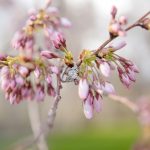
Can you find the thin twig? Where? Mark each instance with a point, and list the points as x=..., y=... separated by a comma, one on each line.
x=130, y=104
x=137, y=23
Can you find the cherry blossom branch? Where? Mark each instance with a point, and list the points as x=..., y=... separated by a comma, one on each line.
x=111, y=38
x=125, y=101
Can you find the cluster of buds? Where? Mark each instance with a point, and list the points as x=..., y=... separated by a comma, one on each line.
x=48, y=20
x=116, y=27
x=19, y=74
x=111, y=60
x=31, y=75
x=94, y=69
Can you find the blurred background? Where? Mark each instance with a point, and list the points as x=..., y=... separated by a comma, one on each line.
x=116, y=126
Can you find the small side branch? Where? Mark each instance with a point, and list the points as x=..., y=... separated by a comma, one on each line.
x=137, y=23
x=125, y=101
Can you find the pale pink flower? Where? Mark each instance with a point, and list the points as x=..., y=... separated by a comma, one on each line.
x=108, y=88
x=49, y=55
x=131, y=75
x=23, y=71
x=54, y=69
x=83, y=88
x=125, y=79
x=88, y=107
x=65, y=22
x=105, y=69
x=123, y=20
x=97, y=103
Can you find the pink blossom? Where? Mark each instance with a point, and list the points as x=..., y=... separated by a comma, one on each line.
x=37, y=72
x=120, y=45
x=49, y=55
x=105, y=69
x=131, y=75
x=97, y=103
x=65, y=22
x=123, y=20
x=113, y=12
x=54, y=69
x=83, y=88
x=108, y=88
x=88, y=107
x=125, y=79
x=23, y=71
x=134, y=68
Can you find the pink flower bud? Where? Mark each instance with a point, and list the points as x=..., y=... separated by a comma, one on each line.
x=23, y=71
x=123, y=20
x=120, y=45
x=65, y=22
x=37, y=72
x=121, y=33
x=19, y=80
x=97, y=103
x=113, y=12
x=105, y=69
x=4, y=84
x=51, y=90
x=12, y=98
x=49, y=79
x=54, y=69
x=88, y=108
x=115, y=28
x=83, y=89
x=134, y=68
x=39, y=93
x=59, y=41
x=49, y=55
x=108, y=88
x=131, y=75
x=53, y=10
x=125, y=79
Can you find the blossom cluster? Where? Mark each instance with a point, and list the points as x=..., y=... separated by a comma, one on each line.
x=31, y=75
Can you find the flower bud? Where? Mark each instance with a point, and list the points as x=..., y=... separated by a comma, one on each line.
x=123, y=20
x=97, y=103
x=49, y=55
x=113, y=12
x=88, y=107
x=23, y=71
x=65, y=22
x=105, y=69
x=54, y=69
x=125, y=80
x=108, y=88
x=83, y=88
